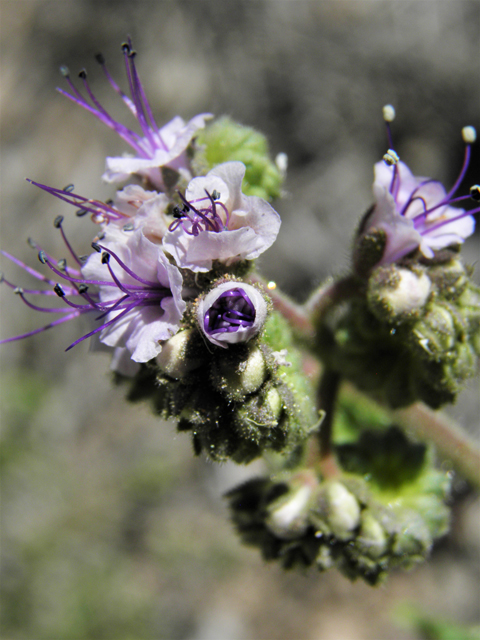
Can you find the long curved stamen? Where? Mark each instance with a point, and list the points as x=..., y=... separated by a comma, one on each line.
x=442, y=223
x=101, y=61
x=21, y=293
x=45, y=260
x=117, y=304
x=201, y=219
x=58, y=225
x=443, y=203
x=200, y=213
x=137, y=97
x=83, y=76
x=124, y=132
x=144, y=111
x=424, y=205
x=149, y=283
x=32, y=292
x=463, y=171
x=85, y=204
x=33, y=272
x=98, y=329
x=106, y=260
x=413, y=195
x=110, y=322
x=55, y=323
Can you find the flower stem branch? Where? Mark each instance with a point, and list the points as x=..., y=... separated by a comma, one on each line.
x=291, y=311
x=449, y=439
x=320, y=453
x=331, y=293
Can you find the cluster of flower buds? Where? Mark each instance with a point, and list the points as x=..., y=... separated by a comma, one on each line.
x=413, y=335
x=363, y=529
x=242, y=398
x=412, y=330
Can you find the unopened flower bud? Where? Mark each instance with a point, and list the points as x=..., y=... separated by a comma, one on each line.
x=372, y=539
x=274, y=402
x=344, y=510
x=435, y=334
x=232, y=312
x=397, y=292
x=336, y=511
x=288, y=515
x=174, y=359
x=450, y=278
x=236, y=380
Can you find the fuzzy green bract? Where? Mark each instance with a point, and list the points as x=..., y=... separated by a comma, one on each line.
x=225, y=140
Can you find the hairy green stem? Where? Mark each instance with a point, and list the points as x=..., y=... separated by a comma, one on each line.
x=327, y=397
x=449, y=439
x=320, y=452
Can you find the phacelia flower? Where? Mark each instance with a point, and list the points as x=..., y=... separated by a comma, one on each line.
x=131, y=287
x=416, y=212
x=155, y=147
x=232, y=312
x=219, y=222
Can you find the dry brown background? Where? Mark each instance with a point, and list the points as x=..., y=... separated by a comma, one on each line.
x=110, y=529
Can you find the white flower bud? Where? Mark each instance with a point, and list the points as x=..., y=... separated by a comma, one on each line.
x=274, y=402
x=411, y=292
x=395, y=292
x=173, y=358
x=372, y=538
x=288, y=517
x=343, y=510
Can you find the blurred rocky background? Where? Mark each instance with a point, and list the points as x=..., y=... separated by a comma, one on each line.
x=110, y=528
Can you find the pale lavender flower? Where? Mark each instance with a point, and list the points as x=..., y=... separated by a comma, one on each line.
x=130, y=286
x=232, y=312
x=155, y=147
x=141, y=293
x=417, y=212
x=219, y=222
